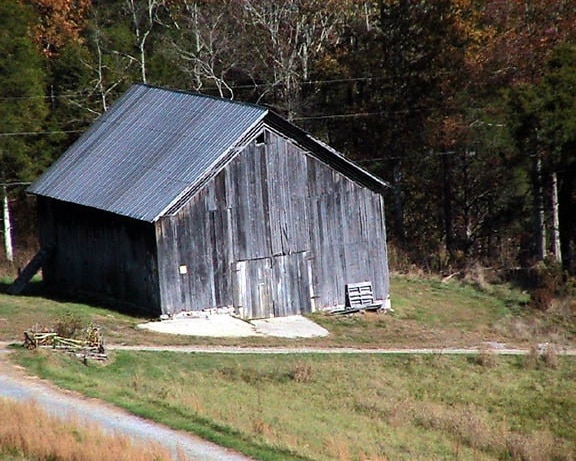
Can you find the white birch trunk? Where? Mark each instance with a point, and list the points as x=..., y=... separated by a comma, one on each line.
x=556, y=251
x=7, y=226
x=539, y=209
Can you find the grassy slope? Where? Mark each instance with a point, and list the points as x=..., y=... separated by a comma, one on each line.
x=350, y=407
x=283, y=407
x=428, y=313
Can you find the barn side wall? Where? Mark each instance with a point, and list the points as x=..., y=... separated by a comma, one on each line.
x=276, y=233
x=100, y=255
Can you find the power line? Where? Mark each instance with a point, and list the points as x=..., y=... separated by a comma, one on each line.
x=240, y=87
x=55, y=96
x=350, y=115
x=311, y=117
x=236, y=87
x=14, y=183
x=33, y=133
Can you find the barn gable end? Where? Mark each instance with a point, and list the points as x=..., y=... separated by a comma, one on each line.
x=277, y=232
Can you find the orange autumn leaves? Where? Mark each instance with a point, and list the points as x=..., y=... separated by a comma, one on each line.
x=59, y=22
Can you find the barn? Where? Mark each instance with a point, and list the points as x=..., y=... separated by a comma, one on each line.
x=175, y=201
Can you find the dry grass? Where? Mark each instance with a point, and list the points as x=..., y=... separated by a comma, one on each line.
x=472, y=426
x=28, y=432
x=350, y=408
x=487, y=358
x=542, y=356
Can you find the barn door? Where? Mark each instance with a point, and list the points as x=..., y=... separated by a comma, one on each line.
x=291, y=290
x=273, y=287
x=252, y=297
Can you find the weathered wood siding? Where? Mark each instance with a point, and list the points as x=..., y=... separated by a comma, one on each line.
x=276, y=233
x=100, y=254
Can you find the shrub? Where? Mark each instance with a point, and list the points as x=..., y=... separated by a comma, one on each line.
x=550, y=357
x=540, y=355
x=541, y=298
x=532, y=358
x=68, y=325
x=548, y=282
x=487, y=358
x=301, y=372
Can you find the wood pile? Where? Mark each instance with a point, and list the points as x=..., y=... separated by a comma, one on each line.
x=90, y=346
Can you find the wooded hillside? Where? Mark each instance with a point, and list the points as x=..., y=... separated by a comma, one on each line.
x=467, y=108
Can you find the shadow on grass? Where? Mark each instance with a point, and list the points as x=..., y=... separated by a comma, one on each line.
x=33, y=288
x=36, y=288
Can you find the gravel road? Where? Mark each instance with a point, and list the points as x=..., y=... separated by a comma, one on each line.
x=16, y=385
x=496, y=348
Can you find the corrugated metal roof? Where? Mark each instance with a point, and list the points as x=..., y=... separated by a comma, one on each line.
x=155, y=148
x=145, y=152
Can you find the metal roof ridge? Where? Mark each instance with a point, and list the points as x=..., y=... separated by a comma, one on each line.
x=203, y=95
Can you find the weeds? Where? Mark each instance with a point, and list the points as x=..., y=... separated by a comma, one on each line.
x=550, y=357
x=68, y=325
x=487, y=358
x=301, y=372
x=28, y=431
x=542, y=356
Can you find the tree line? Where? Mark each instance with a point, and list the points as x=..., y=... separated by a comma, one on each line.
x=466, y=108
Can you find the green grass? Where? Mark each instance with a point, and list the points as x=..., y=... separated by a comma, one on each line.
x=428, y=313
x=352, y=407
x=356, y=407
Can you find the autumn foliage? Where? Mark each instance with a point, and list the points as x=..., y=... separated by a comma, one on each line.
x=60, y=22
x=452, y=102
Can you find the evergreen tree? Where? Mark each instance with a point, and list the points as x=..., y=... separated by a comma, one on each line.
x=22, y=84
x=543, y=122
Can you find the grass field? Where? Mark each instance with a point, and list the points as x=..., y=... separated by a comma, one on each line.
x=349, y=407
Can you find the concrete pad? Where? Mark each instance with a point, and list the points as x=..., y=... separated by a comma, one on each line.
x=212, y=325
x=225, y=325
x=294, y=326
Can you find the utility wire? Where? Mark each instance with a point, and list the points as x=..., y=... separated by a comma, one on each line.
x=33, y=133
x=14, y=183
x=238, y=87
x=350, y=115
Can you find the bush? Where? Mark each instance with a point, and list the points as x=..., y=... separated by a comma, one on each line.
x=550, y=357
x=548, y=282
x=301, y=372
x=542, y=355
x=68, y=325
x=487, y=358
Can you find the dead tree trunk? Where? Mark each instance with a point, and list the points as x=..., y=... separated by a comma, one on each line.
x=7, y=226
x=539, y=216
x=556, y=250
